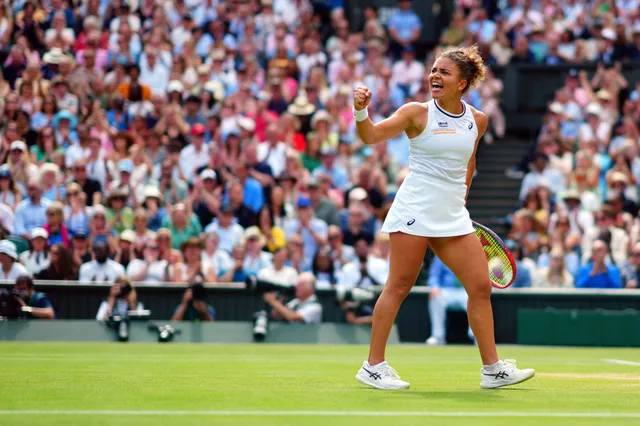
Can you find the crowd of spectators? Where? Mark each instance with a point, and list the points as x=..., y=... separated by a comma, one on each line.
x=174, y=139
x=577, y=222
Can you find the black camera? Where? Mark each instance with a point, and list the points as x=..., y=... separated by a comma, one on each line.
x=166, y=332
x=198, y=291
x=256, y=285
x=120, y=322
x=10, y=307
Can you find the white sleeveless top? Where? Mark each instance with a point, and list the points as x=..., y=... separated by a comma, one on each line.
x=430, y=201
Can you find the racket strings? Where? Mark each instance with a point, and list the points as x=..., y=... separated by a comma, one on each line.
x=500, y=269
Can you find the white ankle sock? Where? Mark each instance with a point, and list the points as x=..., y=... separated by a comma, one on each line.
x=380, y=364
x=491, y=367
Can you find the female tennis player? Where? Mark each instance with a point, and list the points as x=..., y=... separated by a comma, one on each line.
x=429, y=210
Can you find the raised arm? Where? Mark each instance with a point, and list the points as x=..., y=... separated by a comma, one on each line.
x=406, y=117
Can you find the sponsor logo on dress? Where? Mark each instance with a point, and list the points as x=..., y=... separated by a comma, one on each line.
x=470, y=126
x=411, y=222
x=443, y=124
x=444, y=132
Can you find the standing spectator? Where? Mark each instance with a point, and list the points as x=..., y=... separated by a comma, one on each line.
x=404, y=27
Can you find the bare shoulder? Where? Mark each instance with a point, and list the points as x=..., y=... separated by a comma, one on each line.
x=416, y=114
x=481, y=119
x=414, y=109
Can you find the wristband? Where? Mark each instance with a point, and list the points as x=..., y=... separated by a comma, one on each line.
x=361, y=115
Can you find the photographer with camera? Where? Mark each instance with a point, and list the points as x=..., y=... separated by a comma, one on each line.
x=194, y=306
x=23, y=299
x=122, y=299
x=305, y=308
x=362, y=274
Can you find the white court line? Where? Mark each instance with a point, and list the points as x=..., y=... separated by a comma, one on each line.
x=221, y=413
x=622, y=362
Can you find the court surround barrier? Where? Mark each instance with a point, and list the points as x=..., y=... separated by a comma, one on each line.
x=233, y=303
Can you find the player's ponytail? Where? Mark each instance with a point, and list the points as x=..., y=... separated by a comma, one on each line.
x=470, y=63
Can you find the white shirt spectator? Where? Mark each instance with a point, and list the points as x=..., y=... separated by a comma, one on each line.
x=35, y=262
x=74, y=153
x=132, y=20
x=275, y=157
x=286, y=276
x=96, y=272
x=156, y=271
x=553, y=177
x=310, y=309
x=191, y=159
x=406, y=74
x=220, y=260
x=157, y=78
x=16, y=270
x=229, y=237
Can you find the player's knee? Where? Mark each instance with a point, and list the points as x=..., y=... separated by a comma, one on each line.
x=398, y=290
x=480, y=290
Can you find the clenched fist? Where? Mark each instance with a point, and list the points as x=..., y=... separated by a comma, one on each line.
x=361, y=98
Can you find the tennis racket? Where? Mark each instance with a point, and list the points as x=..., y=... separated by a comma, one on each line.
x=502, y=265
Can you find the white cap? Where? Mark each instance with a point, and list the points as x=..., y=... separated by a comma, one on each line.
x=594, y=108
x=208, y=174
x=8, y=248
x=556, y=108
x=609, y=34
x=358, y=194
x=175, y=86
x=128, y=235
x=18, y=145
x=39, y=232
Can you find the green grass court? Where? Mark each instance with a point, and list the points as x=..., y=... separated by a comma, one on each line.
x=182, y=384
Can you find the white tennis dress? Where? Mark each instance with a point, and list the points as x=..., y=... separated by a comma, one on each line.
x=431, y=200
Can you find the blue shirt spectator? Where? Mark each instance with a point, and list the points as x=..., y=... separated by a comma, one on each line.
x=312, y=230
x=404, y=23
x=440, y=276
x=31, y=212
x=338, y=174
x=608, y=277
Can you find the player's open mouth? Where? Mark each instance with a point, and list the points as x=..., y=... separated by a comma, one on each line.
x=436, y=87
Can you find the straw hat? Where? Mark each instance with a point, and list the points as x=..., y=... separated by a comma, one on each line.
x=191, y=242
x=53, y=56
x=253, y=232
x=319, y=116
x=301, y=106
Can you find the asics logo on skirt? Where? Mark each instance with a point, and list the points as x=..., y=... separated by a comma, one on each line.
x=411, y=222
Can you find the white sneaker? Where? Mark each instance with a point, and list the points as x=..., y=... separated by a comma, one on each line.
x=434, y=341
x=380, y=376
x=504, y=374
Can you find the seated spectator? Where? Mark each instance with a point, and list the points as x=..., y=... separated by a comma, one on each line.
x=125, y=252
x=618, y=238
x=357, y=225
x=118, y=214
x=193, y=266
x=229, y=231
x=142, y=232
x=194, y=306
x=34, y=303
x=218, y=258
x=323, y=207
x=31, y=212
x=631, y=271
x=556, y=274
x=37, y=257
x=525, y=266
x=101, y=268
x=55, y=227
x=76, y=213
x=63, y=266
x=324, y=270
x=596, y=273
x=341, y=254
x=446, y=292
x=312, y=230
x=80, y=248
x=100, y=229
x=150, y=269
x=274, y=235
x=182, y=224
x=255, y=258
x=9, y=193
x=10, y=268
x=277, y=271
x=305, y=308
x=122, y=299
